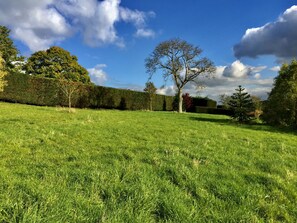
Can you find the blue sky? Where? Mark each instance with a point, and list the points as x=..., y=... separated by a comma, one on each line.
x=246, y=40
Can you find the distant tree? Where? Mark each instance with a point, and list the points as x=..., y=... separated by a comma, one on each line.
x=181, y=61
x=150, y=89
x=281, y=105
x=241, y=103
x=224, y=100
x=187, y=102
x=257, y=105
x=70, y=89
x=8, y=50
x=3, y=73
x=56, y=63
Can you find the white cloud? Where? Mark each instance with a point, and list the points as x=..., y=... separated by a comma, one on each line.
x=39, y=24
x=277, y=38
x=34, y=23
x=275, y=69
x=97, y=74
x=239, y=70
x=147, y=33
x=225, y=80
x=138, y=18
x=167, y=90
x=257, y=76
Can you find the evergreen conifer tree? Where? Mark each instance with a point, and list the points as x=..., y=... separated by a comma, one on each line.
x=241, y=103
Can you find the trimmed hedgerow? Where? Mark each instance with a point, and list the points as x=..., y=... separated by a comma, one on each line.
x=216, y=111
x=27, y=89
x=204, y=102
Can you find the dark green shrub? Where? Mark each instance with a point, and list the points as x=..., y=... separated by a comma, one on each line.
x=214, y=111
x=204, y=102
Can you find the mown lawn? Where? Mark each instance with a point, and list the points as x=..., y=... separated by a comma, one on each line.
x=137, y=166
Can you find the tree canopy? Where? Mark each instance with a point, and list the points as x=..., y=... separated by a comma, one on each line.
x=3, y=73
x=179, y=60
x=7, y=49
x=281, y=105
x=56, y=63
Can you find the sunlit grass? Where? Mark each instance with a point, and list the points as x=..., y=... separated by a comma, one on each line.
x=130, y=166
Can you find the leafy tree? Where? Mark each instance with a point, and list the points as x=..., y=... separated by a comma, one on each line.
x=224, y=100
x=59, y=64
x=241, y=103
x=181, y=61
x=257, y=104
x=3, y=73
x=151, y=91
x=281, y=105
x=187, y=102
x=8, y=50
x=56, y=63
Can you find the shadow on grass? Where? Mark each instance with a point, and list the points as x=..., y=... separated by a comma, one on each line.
x=253, y=126
x=215, y=120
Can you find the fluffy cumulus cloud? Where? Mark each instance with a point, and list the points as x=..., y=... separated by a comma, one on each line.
x=239, y=70
x=167, y=90
x=33, y=22
x=39, y=24
x=277, y=38
x=97, y=74
x=226, y=79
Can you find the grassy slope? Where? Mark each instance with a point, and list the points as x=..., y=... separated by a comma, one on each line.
x=122, y=166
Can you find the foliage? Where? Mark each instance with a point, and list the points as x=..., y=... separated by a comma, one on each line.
x=241, y=104
x=187, y=102
x=211, y=110
x=3, y=73
x=29, y=89
x=257, y=104
x=181, y=61
x=175, y=102
x=224, y=100
x=150, y=89
x=56, y=63
x=8, y=50
x=114, y=166
x=281, y=106
x=205, y=102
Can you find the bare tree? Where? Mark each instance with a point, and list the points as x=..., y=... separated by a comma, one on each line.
x=181, y=61
x=70, y=89
x=151, y=91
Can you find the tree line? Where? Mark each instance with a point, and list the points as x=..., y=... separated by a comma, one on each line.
x=175, y=58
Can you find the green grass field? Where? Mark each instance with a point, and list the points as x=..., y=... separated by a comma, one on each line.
x=137, y=166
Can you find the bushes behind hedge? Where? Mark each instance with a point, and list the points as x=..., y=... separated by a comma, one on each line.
x=27, y=89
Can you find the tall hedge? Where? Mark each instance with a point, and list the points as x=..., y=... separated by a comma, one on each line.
x=27, y=89
x=204, y=102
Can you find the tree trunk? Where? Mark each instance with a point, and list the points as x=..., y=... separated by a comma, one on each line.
x=69, y=102
x=151, y=104
x=180, y=101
